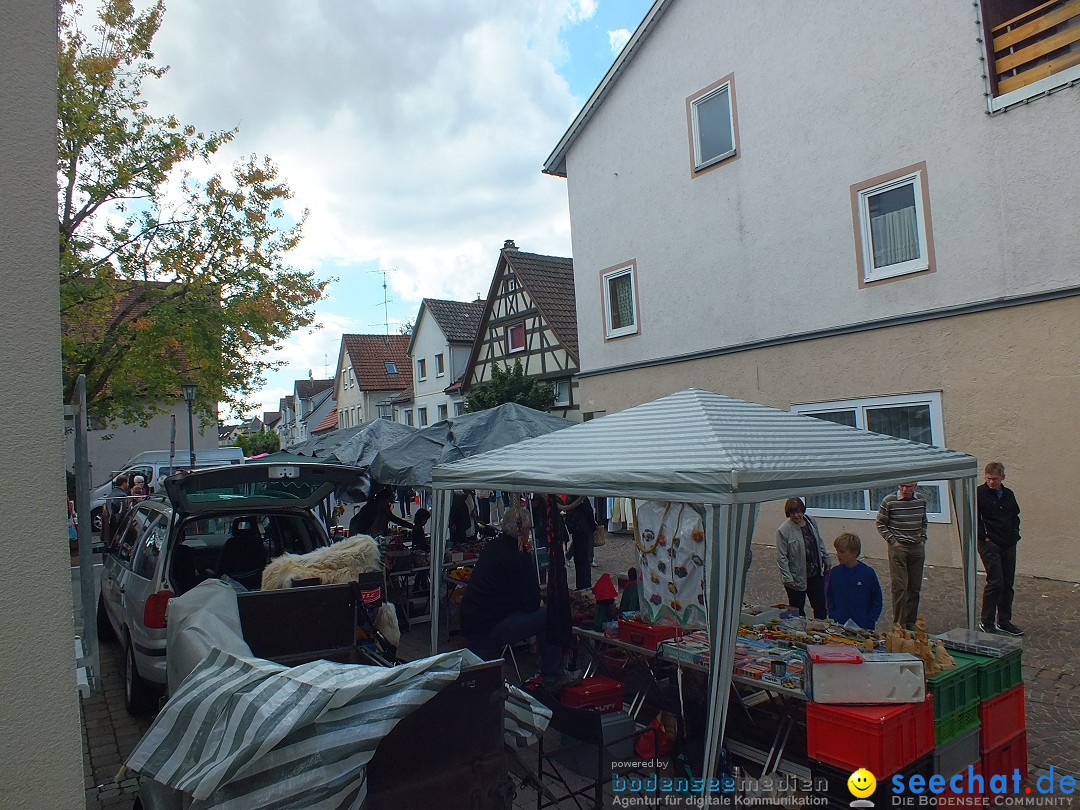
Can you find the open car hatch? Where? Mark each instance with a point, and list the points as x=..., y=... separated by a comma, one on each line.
x=245, y=487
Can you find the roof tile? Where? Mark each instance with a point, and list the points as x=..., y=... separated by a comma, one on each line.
x=369, y=354
x=549, y=280
x=459, y=320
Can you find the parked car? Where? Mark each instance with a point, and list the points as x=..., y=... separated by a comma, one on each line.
x=154, y=466
x=221, y=522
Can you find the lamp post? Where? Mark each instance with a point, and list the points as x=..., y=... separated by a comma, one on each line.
x=190, y=389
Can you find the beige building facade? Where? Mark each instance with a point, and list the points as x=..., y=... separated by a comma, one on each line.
x=1024, y=415
x=40, y=747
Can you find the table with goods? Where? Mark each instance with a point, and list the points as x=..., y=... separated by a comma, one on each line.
x=815, y=701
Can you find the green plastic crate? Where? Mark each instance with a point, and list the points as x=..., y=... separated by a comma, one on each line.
x=956, y=723
x=996, y=675
x=955, y=688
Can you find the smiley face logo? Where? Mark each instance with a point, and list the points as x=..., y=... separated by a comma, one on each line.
x=861, y=783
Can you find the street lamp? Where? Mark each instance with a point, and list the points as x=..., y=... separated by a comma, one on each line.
x=190, y=389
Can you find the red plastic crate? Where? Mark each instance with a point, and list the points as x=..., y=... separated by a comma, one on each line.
x=1007, y=758
x=597, y=693
x=881, y=738
x=644, y=635
x=1001, y=718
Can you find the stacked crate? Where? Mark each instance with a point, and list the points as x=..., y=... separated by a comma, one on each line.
x=884, y=738
x=1002, y=722
x=956, y=717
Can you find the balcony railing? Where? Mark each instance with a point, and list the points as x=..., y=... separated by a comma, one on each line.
x=1039, y=43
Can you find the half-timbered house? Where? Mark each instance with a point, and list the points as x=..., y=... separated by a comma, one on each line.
x=530, y=315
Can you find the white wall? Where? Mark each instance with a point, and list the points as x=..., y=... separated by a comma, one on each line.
x=428, y=341
x=40, y=748
x=763, y=246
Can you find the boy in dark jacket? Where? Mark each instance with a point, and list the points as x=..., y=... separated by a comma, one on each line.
x=998, y=533
x=853, y=592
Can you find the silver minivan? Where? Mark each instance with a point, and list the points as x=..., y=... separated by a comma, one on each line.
x=225, y=522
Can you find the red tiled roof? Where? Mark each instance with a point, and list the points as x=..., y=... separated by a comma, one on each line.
x=329, y=422
x=369, y=355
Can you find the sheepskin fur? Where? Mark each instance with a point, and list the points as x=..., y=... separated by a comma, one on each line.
x=386, y=623
x=338, y=564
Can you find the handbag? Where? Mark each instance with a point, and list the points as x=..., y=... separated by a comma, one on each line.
x=599, y=536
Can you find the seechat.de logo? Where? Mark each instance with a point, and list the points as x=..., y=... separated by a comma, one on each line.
x=862, y=783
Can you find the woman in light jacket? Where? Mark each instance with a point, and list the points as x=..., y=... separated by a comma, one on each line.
x=802, y=559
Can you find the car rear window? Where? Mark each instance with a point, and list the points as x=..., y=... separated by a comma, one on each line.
x=283, y=491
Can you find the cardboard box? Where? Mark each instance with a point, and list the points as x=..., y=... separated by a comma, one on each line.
x=880, y=678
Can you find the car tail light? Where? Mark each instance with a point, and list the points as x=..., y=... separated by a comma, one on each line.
x=155, y=612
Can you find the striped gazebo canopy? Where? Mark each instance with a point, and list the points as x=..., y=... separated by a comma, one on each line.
x=702, y=447
x=728, y=455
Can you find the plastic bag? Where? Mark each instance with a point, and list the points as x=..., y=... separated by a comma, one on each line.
x=665, y=730
x=599, y=536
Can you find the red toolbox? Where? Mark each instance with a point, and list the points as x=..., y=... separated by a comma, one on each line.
x=1001, y=718
x=644, y=635
x=1008, y=758
x=597, y=693
x=883, y=738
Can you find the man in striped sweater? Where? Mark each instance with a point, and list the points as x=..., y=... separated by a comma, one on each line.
x=901, y=520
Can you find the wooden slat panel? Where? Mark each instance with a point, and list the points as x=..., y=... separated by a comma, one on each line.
x=1030, y=12
x=1039, y=49
x=1047, y=21
x=1010, y=83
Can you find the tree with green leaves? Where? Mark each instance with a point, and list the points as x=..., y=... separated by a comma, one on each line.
x=510, y=385
x=163, y=277
x=265, y=441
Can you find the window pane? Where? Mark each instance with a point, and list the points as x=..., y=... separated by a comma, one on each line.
x=903, y=421
x=621, y=296
x=931, y=493
x=714, y=125
x=849, y=499
x=894, y=227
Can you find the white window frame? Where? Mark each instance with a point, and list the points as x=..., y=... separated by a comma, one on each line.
x=421, y=369
x=421, y=417
x=440, y=365
x=510, y=348
x=408, y=416
x=860, y=406
x=459, y=408
x=699, y=162
x=390, y=366
x=917, y=265
x=444, y=411
x=564, y=386
x=605, y=278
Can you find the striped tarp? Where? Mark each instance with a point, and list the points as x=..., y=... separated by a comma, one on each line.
x=698, y=446
x=246, y=732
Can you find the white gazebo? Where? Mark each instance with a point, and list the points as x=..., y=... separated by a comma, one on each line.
x=728, y=456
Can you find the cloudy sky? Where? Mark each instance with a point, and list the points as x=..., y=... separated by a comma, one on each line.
x=412, y=130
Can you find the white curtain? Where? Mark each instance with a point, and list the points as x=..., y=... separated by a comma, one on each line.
x=895, y=237
x=440, y=513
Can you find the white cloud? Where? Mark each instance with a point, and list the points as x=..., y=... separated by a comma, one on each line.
x=413, y=132
x=618, y=38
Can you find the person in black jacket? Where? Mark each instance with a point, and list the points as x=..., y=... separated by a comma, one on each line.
x=998, y=534
x=581, y=524
x=502, y=606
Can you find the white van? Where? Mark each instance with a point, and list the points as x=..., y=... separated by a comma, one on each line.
x=154, y=466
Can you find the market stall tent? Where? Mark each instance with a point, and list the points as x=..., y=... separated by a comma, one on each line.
x=725, y=454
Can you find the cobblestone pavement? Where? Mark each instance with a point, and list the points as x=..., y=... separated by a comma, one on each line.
x=1044, y=608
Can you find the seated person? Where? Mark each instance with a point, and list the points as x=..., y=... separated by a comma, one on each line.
x=853, y=591
x=502, y=605
x=376, y=515
x=418, y=536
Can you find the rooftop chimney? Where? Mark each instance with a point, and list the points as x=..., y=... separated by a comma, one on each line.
x=509, y=245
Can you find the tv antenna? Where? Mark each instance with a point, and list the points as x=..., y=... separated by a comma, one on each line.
x=385, y=303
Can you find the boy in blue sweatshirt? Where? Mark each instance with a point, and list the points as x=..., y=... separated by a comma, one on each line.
x=853, y=591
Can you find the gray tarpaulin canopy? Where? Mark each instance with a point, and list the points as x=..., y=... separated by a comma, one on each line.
x=409, y=462
x=360, y=449
x=725, y=454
